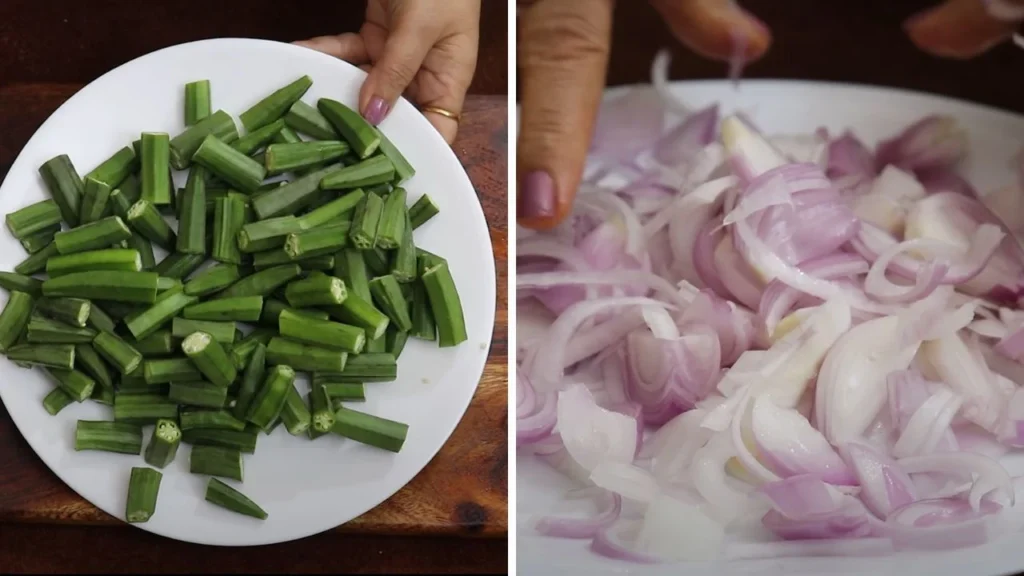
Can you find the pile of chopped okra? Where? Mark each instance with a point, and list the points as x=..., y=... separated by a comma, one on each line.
x=322, y=265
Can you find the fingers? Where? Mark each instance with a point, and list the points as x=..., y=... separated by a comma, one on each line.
x=349, y=47
x=563, y=53
x=404, y=50
x=710, y=27
x=963, y=28
x=447, y=127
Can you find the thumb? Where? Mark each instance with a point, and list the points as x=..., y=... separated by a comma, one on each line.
x=563, y=52
x=404, y=50
x=964, y=28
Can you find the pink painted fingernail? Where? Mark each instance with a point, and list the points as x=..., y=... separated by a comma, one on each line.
x=376, y=110
x=537, y=196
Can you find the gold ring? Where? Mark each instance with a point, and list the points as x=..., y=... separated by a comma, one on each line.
x=442, y=112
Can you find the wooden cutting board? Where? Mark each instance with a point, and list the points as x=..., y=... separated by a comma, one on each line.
x=463, y=490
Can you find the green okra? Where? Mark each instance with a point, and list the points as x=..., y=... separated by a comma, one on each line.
x=363, y=231
x=121, y=437
x=445, y=305
x=39, y=240
x=65, y=186
x=295, y=414
x=281, y=158
x=403, y=260
x=212, y=280
x=216, y=461
x=210, y=419
x=179, y=264
x=292, y=197
x=258, y=138
x=89, y=361
x=191, y=237
x=370, y=429
x=197, y=101
x=267, y=234
x=375, y=170
x=395, y=342
x=388, y=296
x=252, y=378
x=198, y=393
x=167, y=370
x=316, y=291
x=227, y=497
x=359, y=312
x=116, y=169
x=210, y=358
x=224, y=332
x=300, y=356
x=61, y=356
x=77, y=384
x=143, y=489
x=14, y=282
x=33, y=218
x=308, y=120
x=43, y=330
x=322, y=240
x=423, y=326
x=163, y=443
x=343, y=391
x=332, y=211
x=243, y=441
x=56, y=401
x=230, y=165
x=148, y=321
x=240, y=309
x=403, y=170
x=321, y=414
x=228, y=220
x=14, y=319
x=118, y=352
x=144, y=408
x=95, y=196
x=275, y=105
x=262, y=283
x=118, y=259
x=184, y=145
x=155, y=168
x=92, y=236
x=36, y=261
x=120, y=286
x=286, y=135
x=146, y=220
x=422, y=210
x=323, y=333
x=363, y=137
x=362, y=368
x=266, y=406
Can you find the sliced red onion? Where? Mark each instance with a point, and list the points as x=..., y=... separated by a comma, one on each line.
x=790, y=446
x=751, y=155
x=991, y=477
x=944, y=179
x=848, y=156
x=908, y=393
x=734, y=325
x=678, y=530
x=933, y=141
x=948, y=524
x=884, y=485
x=607, y=505
x=852, y=381
x=539, y=422
x=968, y=376
x=848, y=521
x=592, y=434
x=704, y=257
x=802, y=496
x=605, y=544
x=628, y=124
x=668, y=376
x=681, y=143
x=929, y=277
x=737, y=277
x=1012, y=345
x=779, y=298
x=625, y=480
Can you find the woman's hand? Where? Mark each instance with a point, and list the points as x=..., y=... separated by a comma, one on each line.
x=563, y=48
x=425, y=49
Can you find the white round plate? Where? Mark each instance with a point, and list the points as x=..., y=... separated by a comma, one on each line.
x=784, y=107
x=305, y=487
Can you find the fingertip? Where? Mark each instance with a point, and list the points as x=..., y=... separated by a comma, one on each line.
x=958, y=29
x=538, y=205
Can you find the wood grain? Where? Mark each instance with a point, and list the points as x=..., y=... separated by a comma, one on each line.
x=463, y=491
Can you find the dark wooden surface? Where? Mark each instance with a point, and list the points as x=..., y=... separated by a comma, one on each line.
x=71, y=41
x=859, y=41
x=462, y=492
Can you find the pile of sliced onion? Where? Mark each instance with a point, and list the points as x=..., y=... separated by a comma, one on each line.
x=795, y=334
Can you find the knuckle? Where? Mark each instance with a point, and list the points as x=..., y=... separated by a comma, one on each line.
x=563, y=38
x=398, y=74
